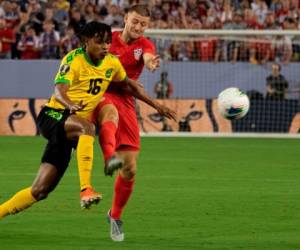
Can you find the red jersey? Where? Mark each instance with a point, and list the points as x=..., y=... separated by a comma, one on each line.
x=206, y=49
x=8, y=34
x=131, y=57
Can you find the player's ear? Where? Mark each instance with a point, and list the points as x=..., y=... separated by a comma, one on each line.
x=85, y=43
x=125, y=18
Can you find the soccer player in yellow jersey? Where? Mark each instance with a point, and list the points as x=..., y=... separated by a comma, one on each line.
x=86, y=77
x=83, y=77
x=81, y=81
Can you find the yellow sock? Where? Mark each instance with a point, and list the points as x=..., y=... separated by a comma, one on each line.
x=20, y=201
x=85, y=154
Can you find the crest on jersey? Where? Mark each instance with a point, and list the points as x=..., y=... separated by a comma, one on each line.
x=108, y=73
x=64, y=69
x=137, y=53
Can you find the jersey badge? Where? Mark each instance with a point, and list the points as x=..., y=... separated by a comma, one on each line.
x=108, y=73
x=137, y=53
x=64, y=69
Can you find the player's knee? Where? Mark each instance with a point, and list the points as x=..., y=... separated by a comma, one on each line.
x=108, y=113
x=129, y=171
x=88, y=128
x=113, y=117
x=40, y=192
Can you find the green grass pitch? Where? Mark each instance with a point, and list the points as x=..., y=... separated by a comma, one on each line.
x=191, y=193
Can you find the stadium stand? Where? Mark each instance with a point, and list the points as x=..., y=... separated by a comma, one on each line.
x=55, y=21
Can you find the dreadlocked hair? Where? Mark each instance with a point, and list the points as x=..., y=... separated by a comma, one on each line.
x=94, y=29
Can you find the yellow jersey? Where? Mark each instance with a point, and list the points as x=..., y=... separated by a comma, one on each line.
x=87, y=81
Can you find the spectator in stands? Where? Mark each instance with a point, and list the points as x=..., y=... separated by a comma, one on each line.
x=29, y=44
x=63, y=5
x=182, y=51
x=227, y=12
x=157, y=22
x=11, y=12
x=233, y=47
x=49, y=41
x=68, y=42
x=177, y=14
x=260, y=9
x=89, y=12
x=7, y=38
x=283, y=49
x=282, y=9
x=260, y=50
x=49, y=15
x=270, y=21
x=121, y=3
x=35, y=15
x=2, y=13
x=191, y=7
x=276, y=84
x=291, y=24
x=114, y=17
x=77, y=21
x=163, y=89
x=61, y=15
x=19, y=30
x=23, y=21
x=206, y=48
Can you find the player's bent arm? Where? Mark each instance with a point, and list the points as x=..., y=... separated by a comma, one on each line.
x=60, y=93
x=134, y=87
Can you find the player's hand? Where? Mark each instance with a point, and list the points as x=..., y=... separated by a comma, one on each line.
x=76, y=107
x=154, y=63
x=165, y=111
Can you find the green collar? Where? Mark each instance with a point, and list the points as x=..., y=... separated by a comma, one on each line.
x=88, y=59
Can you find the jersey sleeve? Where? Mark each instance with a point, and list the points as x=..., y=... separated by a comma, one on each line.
x=148, y=46
x=120, y=73
x=66, y=72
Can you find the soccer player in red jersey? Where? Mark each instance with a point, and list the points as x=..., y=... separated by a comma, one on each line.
x=119, y=131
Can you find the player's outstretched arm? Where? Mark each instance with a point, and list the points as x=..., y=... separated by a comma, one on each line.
x=60, y=93
x=136, y=89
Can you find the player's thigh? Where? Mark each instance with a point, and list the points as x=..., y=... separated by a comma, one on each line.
x=108, y=112
x=51, y=123
x=127, y=136
x=75, y=126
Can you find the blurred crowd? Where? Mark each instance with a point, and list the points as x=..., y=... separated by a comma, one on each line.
x=33, y=29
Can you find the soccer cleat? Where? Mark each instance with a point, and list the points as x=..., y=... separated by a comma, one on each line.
x=116, y=232
x=112, y=164
x=89, y=197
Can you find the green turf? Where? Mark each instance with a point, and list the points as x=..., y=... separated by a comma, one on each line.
x=191, y=193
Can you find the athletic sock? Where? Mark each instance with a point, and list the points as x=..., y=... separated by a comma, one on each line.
x=20, y=201
x=107, y=139
x=123, y=190
x=85, y=153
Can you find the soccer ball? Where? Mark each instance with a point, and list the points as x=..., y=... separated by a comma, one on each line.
x=233, y=104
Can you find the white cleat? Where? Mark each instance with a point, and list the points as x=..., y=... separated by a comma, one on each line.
x=114, y=163
x=116, y=232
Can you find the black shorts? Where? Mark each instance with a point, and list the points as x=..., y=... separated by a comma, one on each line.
x=59, y=149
